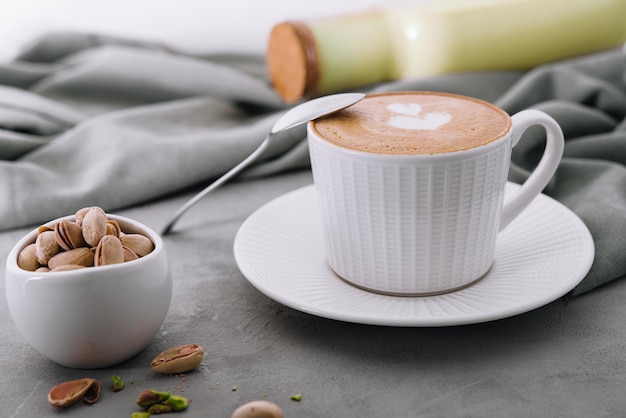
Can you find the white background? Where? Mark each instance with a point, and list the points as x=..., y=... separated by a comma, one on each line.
x=189, y=25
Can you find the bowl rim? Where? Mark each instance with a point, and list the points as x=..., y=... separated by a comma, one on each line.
x=136, y=226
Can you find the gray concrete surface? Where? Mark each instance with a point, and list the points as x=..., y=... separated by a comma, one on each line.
x=566, y=359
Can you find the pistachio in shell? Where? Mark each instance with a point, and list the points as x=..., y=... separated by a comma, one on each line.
x=46, y=247
x=94, y=225
x=258, y=409
x=79, y=256
x=137, y=243
x=179, y=359
x=129, y=255
x=69, y=235
x=113, y=228
x=27, y=258
x=109, y=251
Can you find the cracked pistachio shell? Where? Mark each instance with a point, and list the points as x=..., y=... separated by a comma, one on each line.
x=113, y=228
x=68, y=393
x=129, y=255
x=258, y=409
x=80, y=256
x=179, y=359
x=137, y=243
x=94, y=224
x=69, y=235
x=27, y=258
x=109, y=251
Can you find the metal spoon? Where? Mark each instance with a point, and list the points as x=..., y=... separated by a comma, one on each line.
x=298, y=115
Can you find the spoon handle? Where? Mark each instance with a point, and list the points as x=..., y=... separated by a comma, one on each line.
x=217, y=183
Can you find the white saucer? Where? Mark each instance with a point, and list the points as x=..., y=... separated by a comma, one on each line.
x=540, y=257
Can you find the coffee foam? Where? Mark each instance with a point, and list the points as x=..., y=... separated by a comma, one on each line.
x=414, y=123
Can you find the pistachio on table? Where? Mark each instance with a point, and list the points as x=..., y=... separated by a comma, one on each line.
x=179, y=359
x=90, y=240
x=157, y=402
x=258, y=409
x=177, y=403
x=68, y=393
x=150, y=397
x=118, y=383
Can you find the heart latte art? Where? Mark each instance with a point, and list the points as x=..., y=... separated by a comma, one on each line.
x=414, y=123
x=412, y=117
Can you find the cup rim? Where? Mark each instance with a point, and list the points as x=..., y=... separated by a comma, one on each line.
x=29, y=237
x=442, y=156
x=408, y=158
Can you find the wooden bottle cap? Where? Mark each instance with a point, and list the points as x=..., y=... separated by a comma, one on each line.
x=292, y=61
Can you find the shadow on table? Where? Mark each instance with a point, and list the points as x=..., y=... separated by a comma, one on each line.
x=405, y=345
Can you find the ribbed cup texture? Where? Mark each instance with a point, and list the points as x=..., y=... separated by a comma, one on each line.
x=410, y=225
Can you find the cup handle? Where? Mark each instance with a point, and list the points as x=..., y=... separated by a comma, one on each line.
x=546, y=167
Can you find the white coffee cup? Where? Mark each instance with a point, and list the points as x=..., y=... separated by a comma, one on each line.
x=422, y=219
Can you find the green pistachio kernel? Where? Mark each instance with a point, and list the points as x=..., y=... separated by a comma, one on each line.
x=118, y=383
x=177, y=403
x=159, y=408
x=150, y=397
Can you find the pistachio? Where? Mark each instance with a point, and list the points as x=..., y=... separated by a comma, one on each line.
x=113, y=228
x=159, y=408
x=129, y=255
x=68, y=393
x=108, y=251
x=258, y=409
x=144, y=414
x=46, y=246
x=177, y=403
x=80, y=215
x=27, y=258
x=118, y=383
x=44, y=228
x=151, y=397
x=67, y=245
x=179, y=359
x=94, y=224
x=137, y=243
x=69, y=235
x=80, y=256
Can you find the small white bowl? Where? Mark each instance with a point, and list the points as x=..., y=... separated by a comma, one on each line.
x=94, y=317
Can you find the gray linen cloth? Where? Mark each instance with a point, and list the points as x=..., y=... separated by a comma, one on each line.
x=96, y=120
